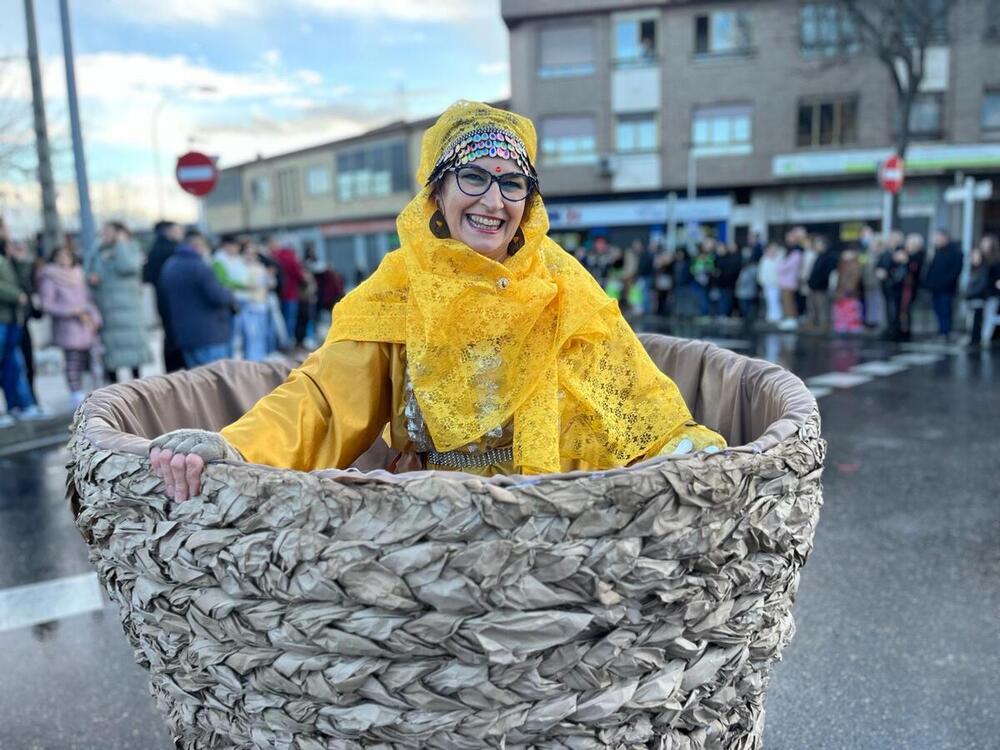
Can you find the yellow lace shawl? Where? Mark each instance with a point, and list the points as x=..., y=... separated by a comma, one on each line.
x=534, y=338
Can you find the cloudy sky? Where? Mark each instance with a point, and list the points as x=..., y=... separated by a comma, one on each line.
x=233, y=78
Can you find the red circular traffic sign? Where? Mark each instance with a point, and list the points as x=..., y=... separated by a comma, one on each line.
x=196, y=173
x=890, y=174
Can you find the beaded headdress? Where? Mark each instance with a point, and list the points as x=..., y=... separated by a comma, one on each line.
x=485, y=141
x=475, y=130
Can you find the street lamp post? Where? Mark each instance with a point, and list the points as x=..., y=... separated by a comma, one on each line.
x=692, y=188
x=156, y=158
x=157, y=175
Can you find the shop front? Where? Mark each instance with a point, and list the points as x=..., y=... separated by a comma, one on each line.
x=355, y=248
x=650, y=220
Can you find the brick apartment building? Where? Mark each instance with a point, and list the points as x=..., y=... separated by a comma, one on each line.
x=771, y=106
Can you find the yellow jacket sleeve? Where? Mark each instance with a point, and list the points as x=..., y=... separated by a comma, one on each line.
x=327, y=413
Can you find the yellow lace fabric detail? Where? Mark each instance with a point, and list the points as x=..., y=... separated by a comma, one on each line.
x=534, y=339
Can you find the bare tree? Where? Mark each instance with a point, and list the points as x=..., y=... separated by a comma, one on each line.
x=899, y=33
x=17, y=140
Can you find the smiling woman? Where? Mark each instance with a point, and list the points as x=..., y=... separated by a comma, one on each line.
x=635, y=607
x=479, y=345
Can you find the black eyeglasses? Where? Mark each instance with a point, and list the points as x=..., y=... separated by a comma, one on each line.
x=472, y=180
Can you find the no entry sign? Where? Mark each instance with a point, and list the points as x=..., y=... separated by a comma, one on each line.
x=196, y=173
x=890, y=174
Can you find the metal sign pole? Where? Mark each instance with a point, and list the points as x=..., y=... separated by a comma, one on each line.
x=968, y=213
x=672, y=221
x=87, y=243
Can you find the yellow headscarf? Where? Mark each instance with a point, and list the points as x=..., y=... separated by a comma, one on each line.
x=534, y=338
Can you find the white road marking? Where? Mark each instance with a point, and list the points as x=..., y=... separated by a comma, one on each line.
x=915, y=358
x=880, y=369
x=23, y=606
x=819, y=391
x=838, y=380
x=930, y=346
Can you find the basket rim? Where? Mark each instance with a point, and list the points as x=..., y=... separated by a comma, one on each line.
x=94, y=424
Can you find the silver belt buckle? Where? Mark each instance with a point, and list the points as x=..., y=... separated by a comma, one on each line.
x=465, y=459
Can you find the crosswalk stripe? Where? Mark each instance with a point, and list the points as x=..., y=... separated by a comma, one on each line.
x=34, y=603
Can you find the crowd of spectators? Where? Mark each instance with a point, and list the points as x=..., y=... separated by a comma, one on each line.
x=243, y=297
x=251, y=297
x=806, y=281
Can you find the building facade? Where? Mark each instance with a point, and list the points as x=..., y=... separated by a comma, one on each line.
x=340, y=197
x=670, y=118
x=769, y=113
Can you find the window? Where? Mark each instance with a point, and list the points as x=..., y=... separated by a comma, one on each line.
x=722, y=129
x=318, y=180
x=926, y=116
x=990, y=116
x=826, y=29
x=830, y=122
x=570, y=139
x=723, y=32
x=289, y=192
x=926, y=21
x=260, y=190
x=566, y=51
x=372, y=171
x=634, y=133
x=635, y=42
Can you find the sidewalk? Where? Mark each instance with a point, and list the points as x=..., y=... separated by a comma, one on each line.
x=53, y=397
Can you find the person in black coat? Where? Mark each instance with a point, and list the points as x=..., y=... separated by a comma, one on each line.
x=728, y=264
x=898, y=270
x=818, y=301
x=200, y=307
x=942, y=279
x=168, y=235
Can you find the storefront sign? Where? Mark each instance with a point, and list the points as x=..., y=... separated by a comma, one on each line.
x=918, y=159
x=345, y=228
x=637, y=213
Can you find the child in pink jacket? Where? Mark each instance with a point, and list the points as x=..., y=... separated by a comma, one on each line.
x=75, y=317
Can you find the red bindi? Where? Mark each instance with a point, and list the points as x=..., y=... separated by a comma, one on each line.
x=498, y=169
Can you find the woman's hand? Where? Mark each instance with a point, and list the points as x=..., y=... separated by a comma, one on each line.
x=179, y=458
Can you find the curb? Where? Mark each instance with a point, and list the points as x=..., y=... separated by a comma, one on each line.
x=25, y=436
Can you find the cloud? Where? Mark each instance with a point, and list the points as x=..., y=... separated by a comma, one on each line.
x=129, y=77
x=295, y=102
x=403, y=37
x=492, y=69
x=179, y=12
x=400, y=10
x=309, y=77
x=216, y=13
x=246, y=114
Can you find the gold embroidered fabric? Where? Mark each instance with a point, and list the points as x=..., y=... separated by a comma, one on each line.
x=534, y=339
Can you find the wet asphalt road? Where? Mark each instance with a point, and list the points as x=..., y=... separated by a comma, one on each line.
x=898, y=612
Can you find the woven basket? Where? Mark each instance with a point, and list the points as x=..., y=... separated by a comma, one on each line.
x=634, y=608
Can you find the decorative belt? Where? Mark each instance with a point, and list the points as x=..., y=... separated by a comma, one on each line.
x=465, y=459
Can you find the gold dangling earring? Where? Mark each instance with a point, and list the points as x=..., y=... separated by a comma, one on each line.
x=516, y=242
x=438, y=226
